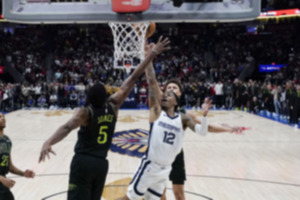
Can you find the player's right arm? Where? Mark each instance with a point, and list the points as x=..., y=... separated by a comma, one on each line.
x=150, y=74
x=154, y=92
x=79, y=118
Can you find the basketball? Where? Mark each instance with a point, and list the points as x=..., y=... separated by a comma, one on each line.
x=151, y=29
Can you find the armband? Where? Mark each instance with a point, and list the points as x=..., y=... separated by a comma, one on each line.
x=202, y=128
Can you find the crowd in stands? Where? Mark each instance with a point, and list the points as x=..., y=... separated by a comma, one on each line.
x=208, y=59
x=24, y=49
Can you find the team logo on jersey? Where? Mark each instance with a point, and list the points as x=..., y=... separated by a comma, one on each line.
x=130, y=142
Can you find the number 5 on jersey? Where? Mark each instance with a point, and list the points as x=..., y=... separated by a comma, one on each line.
x=102, y=135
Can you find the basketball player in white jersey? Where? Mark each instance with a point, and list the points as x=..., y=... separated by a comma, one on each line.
x=165, y=142
x=178, y=175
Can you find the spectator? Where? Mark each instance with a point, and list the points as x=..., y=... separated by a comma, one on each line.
x=73, y=99
x=30, y=101
x=53, y=100
x=219, y=94
x=276, y=98
x=42, y=101
x=254, y=105
x=143, y=95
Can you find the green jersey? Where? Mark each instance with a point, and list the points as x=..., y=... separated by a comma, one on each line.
x=5, y=149
x=95, y=138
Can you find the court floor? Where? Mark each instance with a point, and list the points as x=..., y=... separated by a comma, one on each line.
x=262, y=164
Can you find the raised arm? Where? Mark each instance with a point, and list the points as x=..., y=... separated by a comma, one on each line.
x=197, y=127
x=79, y=118
x=118, y=98
x=200, y=129
x=215, y=128
x=154, y=91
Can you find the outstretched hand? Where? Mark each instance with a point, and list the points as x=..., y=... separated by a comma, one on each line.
x=238, y=130
x=46, y=150
x=206, y=106
x=161, y=45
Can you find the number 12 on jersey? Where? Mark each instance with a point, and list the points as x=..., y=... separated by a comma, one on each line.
x=169, y=137
x=102, y=138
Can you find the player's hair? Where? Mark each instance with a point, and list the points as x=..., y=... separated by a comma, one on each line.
x=96, y=95
x=177, y=101
x=175, y=81
x=178, y=83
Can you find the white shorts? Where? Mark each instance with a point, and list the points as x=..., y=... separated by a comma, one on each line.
x=149, y=181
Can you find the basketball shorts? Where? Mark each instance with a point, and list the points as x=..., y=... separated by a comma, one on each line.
x=5, y=193
x=177, y=175
x=87, y=177
x=149, y=181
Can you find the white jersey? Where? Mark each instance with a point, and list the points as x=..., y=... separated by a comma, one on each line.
x=165, y=139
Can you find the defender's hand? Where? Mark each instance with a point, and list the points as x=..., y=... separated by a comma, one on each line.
x=161, y=45
x=46, y=150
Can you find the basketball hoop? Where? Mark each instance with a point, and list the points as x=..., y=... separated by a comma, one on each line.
x=129, y=43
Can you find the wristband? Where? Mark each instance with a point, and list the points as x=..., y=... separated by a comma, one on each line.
x=154, y=51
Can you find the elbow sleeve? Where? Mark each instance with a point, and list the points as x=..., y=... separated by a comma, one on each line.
x=202, y=128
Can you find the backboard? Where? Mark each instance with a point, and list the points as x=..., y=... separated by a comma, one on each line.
x=100, y=11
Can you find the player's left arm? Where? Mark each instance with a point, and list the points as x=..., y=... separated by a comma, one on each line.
x=198, y=128
x=14, y=170
x=215, y=128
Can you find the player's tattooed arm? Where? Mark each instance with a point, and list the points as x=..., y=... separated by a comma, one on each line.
x=154, y=91
x=154, y=94
x=200, y=129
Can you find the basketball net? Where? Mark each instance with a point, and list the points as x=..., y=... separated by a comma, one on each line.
x=129, y=43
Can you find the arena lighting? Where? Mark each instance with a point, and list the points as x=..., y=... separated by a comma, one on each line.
x=178, y=3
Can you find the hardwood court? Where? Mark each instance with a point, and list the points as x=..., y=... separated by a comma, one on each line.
x=263, y=164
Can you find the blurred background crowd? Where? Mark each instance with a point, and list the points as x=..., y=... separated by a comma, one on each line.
x=52, y=66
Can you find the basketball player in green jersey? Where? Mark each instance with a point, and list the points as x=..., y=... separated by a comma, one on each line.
x=6, y=164
x=177, y=175
x=97, y=122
